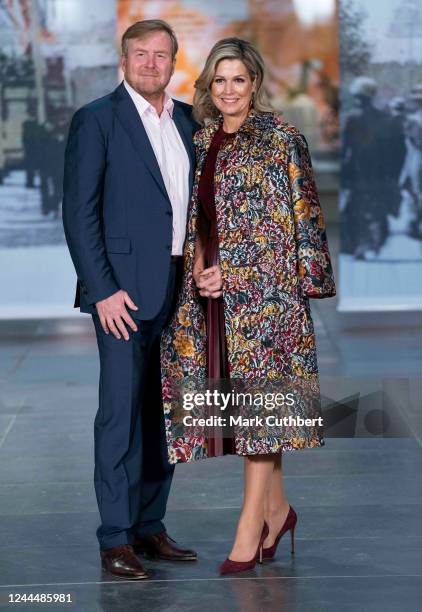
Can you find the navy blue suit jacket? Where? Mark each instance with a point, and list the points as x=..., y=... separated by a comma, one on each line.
x=117, y=214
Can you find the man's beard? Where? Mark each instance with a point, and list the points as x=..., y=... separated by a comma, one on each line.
x=149, y=88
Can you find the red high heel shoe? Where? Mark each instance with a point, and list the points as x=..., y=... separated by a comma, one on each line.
x=232, y=567
x=289, y=525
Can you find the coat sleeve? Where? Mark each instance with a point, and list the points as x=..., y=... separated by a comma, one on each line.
x=315, y=271
x=85, y=160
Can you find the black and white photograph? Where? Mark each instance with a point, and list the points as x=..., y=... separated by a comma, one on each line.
x=54, y=57
x=381, y=155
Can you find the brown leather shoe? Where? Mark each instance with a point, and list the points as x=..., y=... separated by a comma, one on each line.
x=162, y=546
x=121, y=561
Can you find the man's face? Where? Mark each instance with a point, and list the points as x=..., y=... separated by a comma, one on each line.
x=148, y=65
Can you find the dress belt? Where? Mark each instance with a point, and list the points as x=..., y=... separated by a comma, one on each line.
x=176, y=258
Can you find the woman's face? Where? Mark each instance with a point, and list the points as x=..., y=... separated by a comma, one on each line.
x=232, y=88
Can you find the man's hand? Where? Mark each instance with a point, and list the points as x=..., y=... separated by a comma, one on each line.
x=210, y=282
x=112, y=312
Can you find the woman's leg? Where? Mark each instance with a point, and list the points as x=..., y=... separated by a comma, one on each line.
x=276, y=506
x=258, y=473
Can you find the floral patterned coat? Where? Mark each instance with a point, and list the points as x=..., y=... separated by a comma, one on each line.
x=273, y=257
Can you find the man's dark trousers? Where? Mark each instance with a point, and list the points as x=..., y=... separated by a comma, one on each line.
x=118, y=222
x=132, y=473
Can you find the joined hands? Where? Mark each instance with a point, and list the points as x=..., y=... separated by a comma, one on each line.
x=209, y=281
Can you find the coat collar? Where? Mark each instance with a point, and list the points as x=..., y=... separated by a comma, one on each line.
x=185, y=131
x=253, y=127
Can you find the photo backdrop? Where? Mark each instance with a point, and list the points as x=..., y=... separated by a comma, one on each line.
x=56, y=55
x=381, y=155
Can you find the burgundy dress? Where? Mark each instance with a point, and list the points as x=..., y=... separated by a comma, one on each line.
x=217, y=362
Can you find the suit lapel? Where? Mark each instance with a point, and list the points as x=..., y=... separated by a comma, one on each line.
x=185, y=132
x=129, y=118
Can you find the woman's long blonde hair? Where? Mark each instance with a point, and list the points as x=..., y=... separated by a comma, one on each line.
x=229, y=48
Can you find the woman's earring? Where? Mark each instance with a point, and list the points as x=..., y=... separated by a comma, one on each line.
x=252, y=99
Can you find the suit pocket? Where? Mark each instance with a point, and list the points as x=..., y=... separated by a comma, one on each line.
x=118, y=245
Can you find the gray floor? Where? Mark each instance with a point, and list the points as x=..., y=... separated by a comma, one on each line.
x=358, y=499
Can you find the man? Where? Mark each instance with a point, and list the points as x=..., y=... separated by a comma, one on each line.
x=411, y=174
x=31, y=145
x=372, y=158
x=128, y=174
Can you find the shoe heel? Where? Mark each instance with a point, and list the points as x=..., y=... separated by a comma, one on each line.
x=260, y=552
x=292, y=536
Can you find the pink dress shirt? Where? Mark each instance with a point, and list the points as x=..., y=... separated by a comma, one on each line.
x=172, y=159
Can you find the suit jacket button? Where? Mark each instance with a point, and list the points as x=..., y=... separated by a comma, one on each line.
x=168, y=247
x=169, y=213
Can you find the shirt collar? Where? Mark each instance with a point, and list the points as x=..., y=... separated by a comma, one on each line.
x=143, y=105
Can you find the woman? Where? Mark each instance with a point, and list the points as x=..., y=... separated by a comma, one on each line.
x=255, y=252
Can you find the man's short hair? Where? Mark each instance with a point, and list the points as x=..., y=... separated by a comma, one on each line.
x=145, y=27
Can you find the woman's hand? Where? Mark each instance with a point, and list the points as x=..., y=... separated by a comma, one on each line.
x=198, y=268
x=209, y=281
